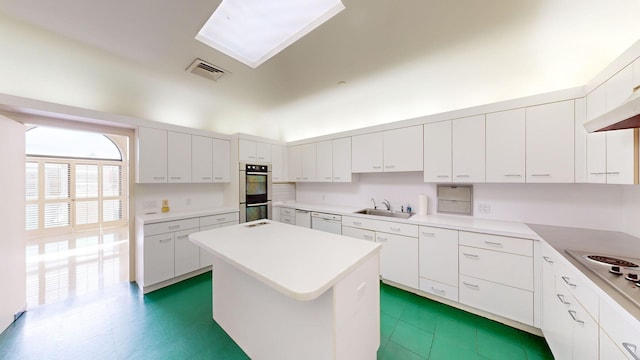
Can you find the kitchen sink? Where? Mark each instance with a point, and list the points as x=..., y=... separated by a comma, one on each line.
x=387, y=213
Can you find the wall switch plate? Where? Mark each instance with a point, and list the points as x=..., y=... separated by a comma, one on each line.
x=484, y=208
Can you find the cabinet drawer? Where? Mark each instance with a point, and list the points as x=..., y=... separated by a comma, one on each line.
x=219, y=219
x=622, y=328
x=577, y=286
x=498, y=243
x=288, y=219
x=503, y=268
x=359, y=233
x=171, y=226
x=287, y=212
x=358, y=222
x=396, y=228
x=512, y=303
x=439, y=289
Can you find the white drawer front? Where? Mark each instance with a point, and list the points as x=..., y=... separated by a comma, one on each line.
x=397, y=228
x=287, y=212
x=503, y=268
x=497, y=243
x=171, y=226
x=359, y=222
x=439, y=289
x=219, y=219
x=578, y=287
x=621, y=328
x=288, y=219
x=512, y=303
x=359, y=233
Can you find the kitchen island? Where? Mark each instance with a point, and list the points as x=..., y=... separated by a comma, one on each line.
x=286, y=292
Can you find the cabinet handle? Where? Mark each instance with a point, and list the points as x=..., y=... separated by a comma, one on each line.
x=463, y=176
x=356, y=223
x=220, y=219
x=175, y=177
x=492, y=243
x=217, y=178
x=206, y=178
x=158, y=178
x=566, y=279
x=327, y=177
x=396, y=229
x=382, y=239
x=573, y=316
x=164, y=240
x=439, y=291
x=367, y=237
x=337, y=178
x=547, y=259
x=172, y=227
x=631, y=349
x=597, y=173
x=473, y=256
x=389, y=166
x=613, y=173
x=377, y=167
x=512, y=175
x=473, y=286
x=562, y=300
x=305, y=178
x=183, y=237
x=541, y=175
x=442, y=176
x=428, y=234
x=260, y=158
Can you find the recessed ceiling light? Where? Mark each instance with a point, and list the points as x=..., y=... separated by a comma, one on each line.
x=252, y=31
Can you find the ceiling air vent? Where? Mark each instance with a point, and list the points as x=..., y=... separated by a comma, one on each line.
x=204, y=69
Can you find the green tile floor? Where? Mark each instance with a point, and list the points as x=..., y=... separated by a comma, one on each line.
x=175, y=323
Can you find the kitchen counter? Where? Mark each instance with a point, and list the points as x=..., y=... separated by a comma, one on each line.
x=597, y=241
x=156, y=217
x=287, y=292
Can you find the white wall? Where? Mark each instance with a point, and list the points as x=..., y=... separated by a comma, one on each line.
x=182, y=197
x=12, y=243
x=576, y=205
x=631, y=209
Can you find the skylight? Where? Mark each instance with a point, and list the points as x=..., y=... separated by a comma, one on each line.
x=252, y=31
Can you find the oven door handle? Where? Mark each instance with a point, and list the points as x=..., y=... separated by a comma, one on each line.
x=256, y=173
x=260, y=204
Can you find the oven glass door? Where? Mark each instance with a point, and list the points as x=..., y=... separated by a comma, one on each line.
x=257, y=212
x=256, y=188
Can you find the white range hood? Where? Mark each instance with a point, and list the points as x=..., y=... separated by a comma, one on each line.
x=624, y=116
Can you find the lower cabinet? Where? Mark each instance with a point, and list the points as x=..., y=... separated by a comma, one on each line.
x=160, y=249
x=187, y=254
x=399, y=258
x=512, y=303
x=438, y=250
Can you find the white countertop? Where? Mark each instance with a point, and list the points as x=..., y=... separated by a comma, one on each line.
x=298, y=262
x=456, y=222
x=156, y=217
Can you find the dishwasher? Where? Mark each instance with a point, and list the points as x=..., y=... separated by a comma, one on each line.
x=326, y=222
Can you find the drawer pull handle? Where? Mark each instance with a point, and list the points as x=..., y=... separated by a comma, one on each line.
x=206, y=178
x=382, y=239
x=573, y=316
x=389, y=166
x=473, y=256
x=394, y=229
x=442, y=176
x=367, y=237
x=158, y=178
x=492, y=243
x=562, y=300
x=337, y=178
x=174, y=227
x=220, y=219
x=377, y=167
x=356, y=223
x=541, y=175
x=512, y=175
x=473, y=286
x=439, y=291
x=547, y=259
x=463, y=176
x=217, y=177
x=183, y=237
x=428, y=234
x=613, y=173
x=567, y=280
x=164, y=240
x=631, y=349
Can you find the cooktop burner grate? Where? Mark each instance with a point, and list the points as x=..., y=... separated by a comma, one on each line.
x=611, y=261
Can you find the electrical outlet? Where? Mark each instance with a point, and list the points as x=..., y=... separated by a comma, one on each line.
x=484, y=208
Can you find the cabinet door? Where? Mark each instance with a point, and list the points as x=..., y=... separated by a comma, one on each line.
x=295, y=163
x=439, y=255
x=437, y=152
x=263, y=152
x=187, y=254
x=158, y=258
x=247, y=150
x=621, y=157
x=596, y=142
x=608, y=348
x=555, y=326
x=357, y=233
x=324, y=163
x=277, y=163
x=550, y=143
x=221, y=160
x=468, y=149
x=505, y=146
x=399, y=259
x=367, y=153
x=341, y=160
x=202, y=159
x=152, y=155
x=179, y=157
x=309, y=162
x=585, y=333
x=403, y=149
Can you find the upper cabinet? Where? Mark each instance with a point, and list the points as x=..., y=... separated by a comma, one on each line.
x=550, y=143
x=253, y=151
x=221, y=160
x=437, y=151
x=179, y=157
x=202, y=158
x=389, y=151
x=341, y=164
x=324, y=161
x=152, y=156
x=505, y=151
x=468, y=149
x=277, y=163
x=309, y=162
x=295, y=163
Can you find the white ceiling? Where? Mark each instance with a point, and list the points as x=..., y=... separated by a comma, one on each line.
x=399, y=58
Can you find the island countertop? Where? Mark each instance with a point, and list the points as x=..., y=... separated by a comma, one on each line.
x=298, y=262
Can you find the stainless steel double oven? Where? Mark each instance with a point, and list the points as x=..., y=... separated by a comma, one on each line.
x=255, y=192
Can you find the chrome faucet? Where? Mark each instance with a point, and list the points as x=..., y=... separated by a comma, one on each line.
x=387, y=204
x=374, y=203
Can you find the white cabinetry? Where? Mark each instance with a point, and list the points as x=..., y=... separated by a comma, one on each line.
x=277, y=163
x=506, y=146
x=309, y=162
x=550, y=142
x=159, y=256
x=202, y=158
x=187, y=254
x=179, y=157
x=214, y=222
x=221, y=160
x=341, y=163
x=324, y=156
x=253, y=151
x=622, y=329
x=152, y=155
x=295, y=163
x=469, y=149
x=403, y=149
x=367, y=153
x=438, y=252
x=437, y=152
x=288, y=215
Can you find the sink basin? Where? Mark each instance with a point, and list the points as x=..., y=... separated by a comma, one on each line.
x=387, y=213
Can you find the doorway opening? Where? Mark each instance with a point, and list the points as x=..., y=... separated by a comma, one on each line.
x=76, y=212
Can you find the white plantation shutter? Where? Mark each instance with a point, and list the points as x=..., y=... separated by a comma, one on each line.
x=112, y=201
x=56, y=187
x=32, y=218
x=87, y=212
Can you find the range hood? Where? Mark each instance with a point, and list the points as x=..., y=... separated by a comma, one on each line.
x=624, y=116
